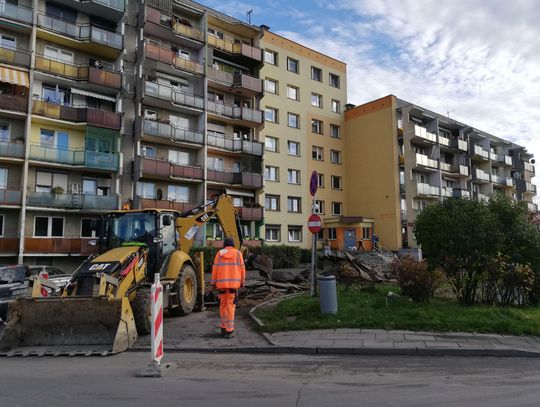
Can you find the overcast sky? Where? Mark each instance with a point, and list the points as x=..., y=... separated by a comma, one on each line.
x=477, y=60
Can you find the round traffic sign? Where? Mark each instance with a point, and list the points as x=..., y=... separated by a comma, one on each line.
x=314, y=224
x=313, y=183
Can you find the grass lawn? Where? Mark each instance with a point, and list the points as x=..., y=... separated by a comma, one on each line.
x=369, y=308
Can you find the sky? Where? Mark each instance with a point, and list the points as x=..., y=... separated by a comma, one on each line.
x=477, y=61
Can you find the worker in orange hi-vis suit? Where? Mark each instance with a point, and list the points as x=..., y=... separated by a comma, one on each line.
x=228, y=275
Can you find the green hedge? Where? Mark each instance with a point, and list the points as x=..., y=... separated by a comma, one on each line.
x=209, y=255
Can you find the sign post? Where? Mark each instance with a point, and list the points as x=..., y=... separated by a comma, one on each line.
x=313, y=185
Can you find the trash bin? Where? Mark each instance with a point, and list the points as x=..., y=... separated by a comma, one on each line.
x=327, y=294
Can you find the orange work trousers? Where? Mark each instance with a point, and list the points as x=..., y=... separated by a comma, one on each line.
x=227, y=307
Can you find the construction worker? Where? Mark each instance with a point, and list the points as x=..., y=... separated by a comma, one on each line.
x=228, y=275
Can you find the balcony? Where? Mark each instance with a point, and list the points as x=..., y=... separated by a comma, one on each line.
x=426, y=190
x=446, y=167
x=530, y=188
x=85, y=158
x=235, y=145
x=9, y=246
x=245, y=179
x=153, y=168
x=246, y=85
x=480, y=176
x=447, y=192
x=59, y=245
x=460, y=169
x=532, y=207
x=480, y=152
x=421, y=134
x=252, y=180
x=480, y=196
x=87, y=37
x=111, y=10
x=92, y=117
x=14, y=102
x=249, y=214
x=461, y=193
x=444, y=141
x=14, y=12
x=14, y=56
x=147, y=203
x=90, y=74
x=424, y=161
x=172, y=133
x=528, y=167
x=174, y=96
x=10, y=197
x=167, y=56
x=502, y=180
x=73, y=201
x=163, y=24
x=233, y=48
x=237, y=114
x=459, y=144
x=11, y=150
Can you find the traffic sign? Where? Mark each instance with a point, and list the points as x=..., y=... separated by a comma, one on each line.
x=314, y=224
x=313, y=183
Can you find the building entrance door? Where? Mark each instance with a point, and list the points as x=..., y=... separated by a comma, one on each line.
x=349, y=239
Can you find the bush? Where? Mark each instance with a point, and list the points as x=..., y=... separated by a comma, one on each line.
x=209, y=255
x=415, y=280
x=282, y=256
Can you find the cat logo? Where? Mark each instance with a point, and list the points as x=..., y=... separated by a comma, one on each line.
x=205, y=216
x=98, y=266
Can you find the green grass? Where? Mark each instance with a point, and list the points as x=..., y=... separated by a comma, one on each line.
x=367, y=308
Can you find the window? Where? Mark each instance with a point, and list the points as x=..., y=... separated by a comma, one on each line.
x=179, y=157
x=271, y=115
x=215, y=163
x=335, y=181
x=316, y=126
x=1, y=225
x=271, y=86
x=271, y=144
x=272, y=233
x=316, y=100
x=45, y=181
x=295, y=233
x=335, y=131
x=293, y=120
x=148, y=152
x=215, y=33
x=294, y=204
x=89, y=187
x=58, y=54
x=146, y=190
x=293, y=92
x=320, y=180
x=48, y=226
x=336, y=106
x=3, y=178
x=271, y=173
x=178, y=193
x=8, y=41
x=336, y=208
x=271, y=202
x=366, y=233
x=320, y=207
x=4, y=131
x=317, y=153
x=86, y=228
x=292, y=65
x=270, y=57
x=334, y=80
x=293, y=148
x=293, y=177
x=335, y=157
x=332, y=233
x=46, y=138
x=54, y=94
x=316, y=74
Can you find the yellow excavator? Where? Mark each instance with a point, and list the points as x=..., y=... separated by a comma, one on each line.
x=106, y=304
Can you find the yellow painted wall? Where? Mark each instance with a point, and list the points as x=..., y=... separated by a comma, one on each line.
x=76, y=136
x=373, y=175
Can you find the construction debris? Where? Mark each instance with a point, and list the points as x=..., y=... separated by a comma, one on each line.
x=350, y=267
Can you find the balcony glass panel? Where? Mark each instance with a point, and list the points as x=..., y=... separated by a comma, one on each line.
x=426, y=189
x=478, y=150
x=14, y=56
x=10, y=197
x=177, y=97
x=16, y=12
x=444, y=141
x=422, y=132
x=422, y=159
x=92, y=159
x=8, y=149
x=116, y=4
x=168, y=131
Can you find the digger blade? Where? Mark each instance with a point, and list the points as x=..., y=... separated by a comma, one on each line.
x=68, y=326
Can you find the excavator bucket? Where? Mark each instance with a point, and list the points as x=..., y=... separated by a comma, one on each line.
x=262, y=263
x=68, y=326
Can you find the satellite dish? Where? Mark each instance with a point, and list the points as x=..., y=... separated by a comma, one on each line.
x=533, y=161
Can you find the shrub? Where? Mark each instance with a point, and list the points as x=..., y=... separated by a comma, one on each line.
x=282, y=256
x=209, y=255
x=415, y=280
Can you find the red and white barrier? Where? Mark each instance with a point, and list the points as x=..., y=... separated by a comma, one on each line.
x=156, y=293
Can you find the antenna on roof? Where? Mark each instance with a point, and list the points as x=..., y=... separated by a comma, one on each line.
x=249, y=16
x=448, y=111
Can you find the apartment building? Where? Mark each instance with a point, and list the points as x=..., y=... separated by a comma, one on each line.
x=411, y=157
x=305, y=93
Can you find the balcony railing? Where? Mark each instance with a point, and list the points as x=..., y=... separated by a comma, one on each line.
x=505, y=159
x=480, y=196
x=235, y=48
x=170, y=132
x=422, y=132
x=116, y=4
x=10, y=197
x=532, y=207
x=530, y=187
x=165, y=169
x=502, y=180
x=480, y=151
x=459, y=144
x=252, y=180
x=14, y=102
x=528, y=167
x=15, y=12
x=82, y=32
x=446, y=167
x=246, y=213
x=14, y=150
x=9, y=245
x=92, y=117
x=147, y=203
x=72, y=201
x=236, y=112
x=461, y=193
x=91, y=74
x=444, y=141
x=460, y=169
x=447, y=192
x=240, y=80
x=14, y=56
x=59, y=245
x=174, y=96
x=480, y=175
x=246, y=179
x=157, y=17
x=422, y=159
x=167, y=56
x=426, y=189
x=87, y=158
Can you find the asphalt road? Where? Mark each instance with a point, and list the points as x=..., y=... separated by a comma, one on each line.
x=271, y=380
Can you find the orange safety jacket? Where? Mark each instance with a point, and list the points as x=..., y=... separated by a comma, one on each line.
x=228, y=270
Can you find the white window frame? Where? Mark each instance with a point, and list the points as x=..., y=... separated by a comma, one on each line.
x=271, y=173
x=291, y=229
x=335, y=156
x=332, y=233
x=140, y=189
x=273, y=140
x=291, y=143
x=321, y=207
x=320, y=180
x=268, y=89
x=293, y=176
x=174, y=188
x=93, y=231
x=316, y=100
x=289, y=60
x=272, y=199
x=272, y=228
x=317, y=126
x=294, y=204
x=296, y=118
x=59, y=52
x=274, y=59
x=337, y=178
x=319, y=151
x=293, y=92
x=10, y=37
x=340, y=204
x=274, y=112
x=338, y=80
x=49, y=227
x=337, y=133
x=336, y=106
x=314, y=71
x=145, y=149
